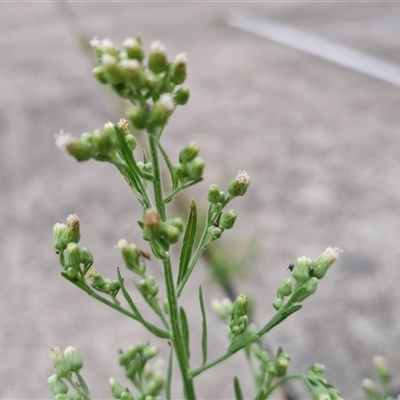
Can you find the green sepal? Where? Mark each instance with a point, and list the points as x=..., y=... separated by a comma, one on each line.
x=188, y=241
x=185, y=329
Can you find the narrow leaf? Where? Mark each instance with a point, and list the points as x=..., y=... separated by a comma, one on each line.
x=185, y=330
x=260, y=395
x=188, y=240
x=238, y=390
x=204, y=326
x=241, y=342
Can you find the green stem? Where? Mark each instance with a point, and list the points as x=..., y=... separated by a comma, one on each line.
x=211, y=364
x=281, y=383
x=78, y=389
x=177, y=337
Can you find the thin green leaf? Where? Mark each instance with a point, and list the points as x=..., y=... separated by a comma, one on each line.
x=185, y=329
x=238, y=390
x=188, y=241
x=260, y=395
x=241, y=342
x=145, y=158
x=82, y=384
x=170, y=167
x=204, y=326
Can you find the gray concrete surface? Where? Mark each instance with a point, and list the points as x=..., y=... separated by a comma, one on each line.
x=321, y=144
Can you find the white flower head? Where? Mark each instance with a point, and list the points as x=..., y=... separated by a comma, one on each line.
x=158, y=47
x=130, y=65
x=181, y=58
x=167, y=102
x=63, y=140
x=108, y=60
x=122, y=244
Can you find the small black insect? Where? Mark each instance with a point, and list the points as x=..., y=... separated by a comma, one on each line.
x=290, y=267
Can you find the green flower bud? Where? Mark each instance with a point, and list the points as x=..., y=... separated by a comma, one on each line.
x=370, y=389
x=271, y=369
x=108, y=47
x=239, y=185
x=96, y=44
x=317, y=368
x=285, y=288
x=111, y=286
x=307, y=289
x=100, y=73
x=214, y=232
x=300, y=271
x=72, y=255
x=213, y=194
x=137, y=117
x=171, y=233
x=62, y=396
x=134, y=48
x=282, y=362
x=189, y=153
x=178, y=69
x=319, y=266
x=382, y=370
x=161, y=111
x=73, y=229
x=59, y=234
x=228, y=220
x=157, y=62
x=86, y=256
x=134, y=72
x=62, y=366
x=195, y=169
x=126, y=396
x=114, y=72
x=80, y=150
x=181, y=172
x=57, y=386
x=277, y=304
x=71, y=355
x=104, y=139
x=73, y=272
x=149, y=352
x=152, y=225
x=116, y=388
x=181, y=96
x=239, y=315
x=131, y=256
x=131, y=142
x=148, y=287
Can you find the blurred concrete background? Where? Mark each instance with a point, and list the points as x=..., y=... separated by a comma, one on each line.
x=320, y=142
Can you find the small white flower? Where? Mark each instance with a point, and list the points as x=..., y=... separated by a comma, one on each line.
x=243, y=178
x=129, y=42
x=63, y=140
x=95, y=43
x=122, y=244
x=123, y=124
x=181, y=58
x=108, y=60
x=167, y=102
x=130, y=65
x=158, y=47
x=107, y=45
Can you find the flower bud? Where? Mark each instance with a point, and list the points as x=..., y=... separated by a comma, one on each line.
x=213, y=194
x=319, y=266
x=189, y=153
x=240, y=306
x=239, y=315
x=307, y=289
x=137, y=117
x=131, y=256
x=157, y=62
x=239, y=185
x=148, y=287
x=71, y=355
x=228, y=220
x=171, y=234
x=195, y=169
x=59, y=233
x=300, y=271
x=114, y=72
x=130, y=142
x=317, y=368
x=149, y=352
x=152, y=225
x=181, y=96
x=62, y=367
x=382, y=370
x=100, y=73
x=161, y=110
x=103, y=139
x=285, y=288
x=111, y=287
x=277, y=304
x=73, y=272
x=57, y=385
x=108, y=47
x=134, y=48
x=80, y=150
x=214, y=232
x=133, y=71
x=73, y=229
x=72, y=256
x=178, y=69
x=86, y=256
x=282, y=362
x=370, y=389
x=126, y=396
x=181, y=172
x=116, y=388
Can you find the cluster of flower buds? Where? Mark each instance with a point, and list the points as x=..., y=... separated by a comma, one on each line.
x=190, y=167
x=134, y=361
x=164, y=232
x=318, y=385
x=306, y=274
x=148, y=288
x=268, y=367
x=100, y=144
x=132, y=257
x=239, y=317
x=65, y=365
x=75, y=260
x=159, y=80
x=108, y=286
